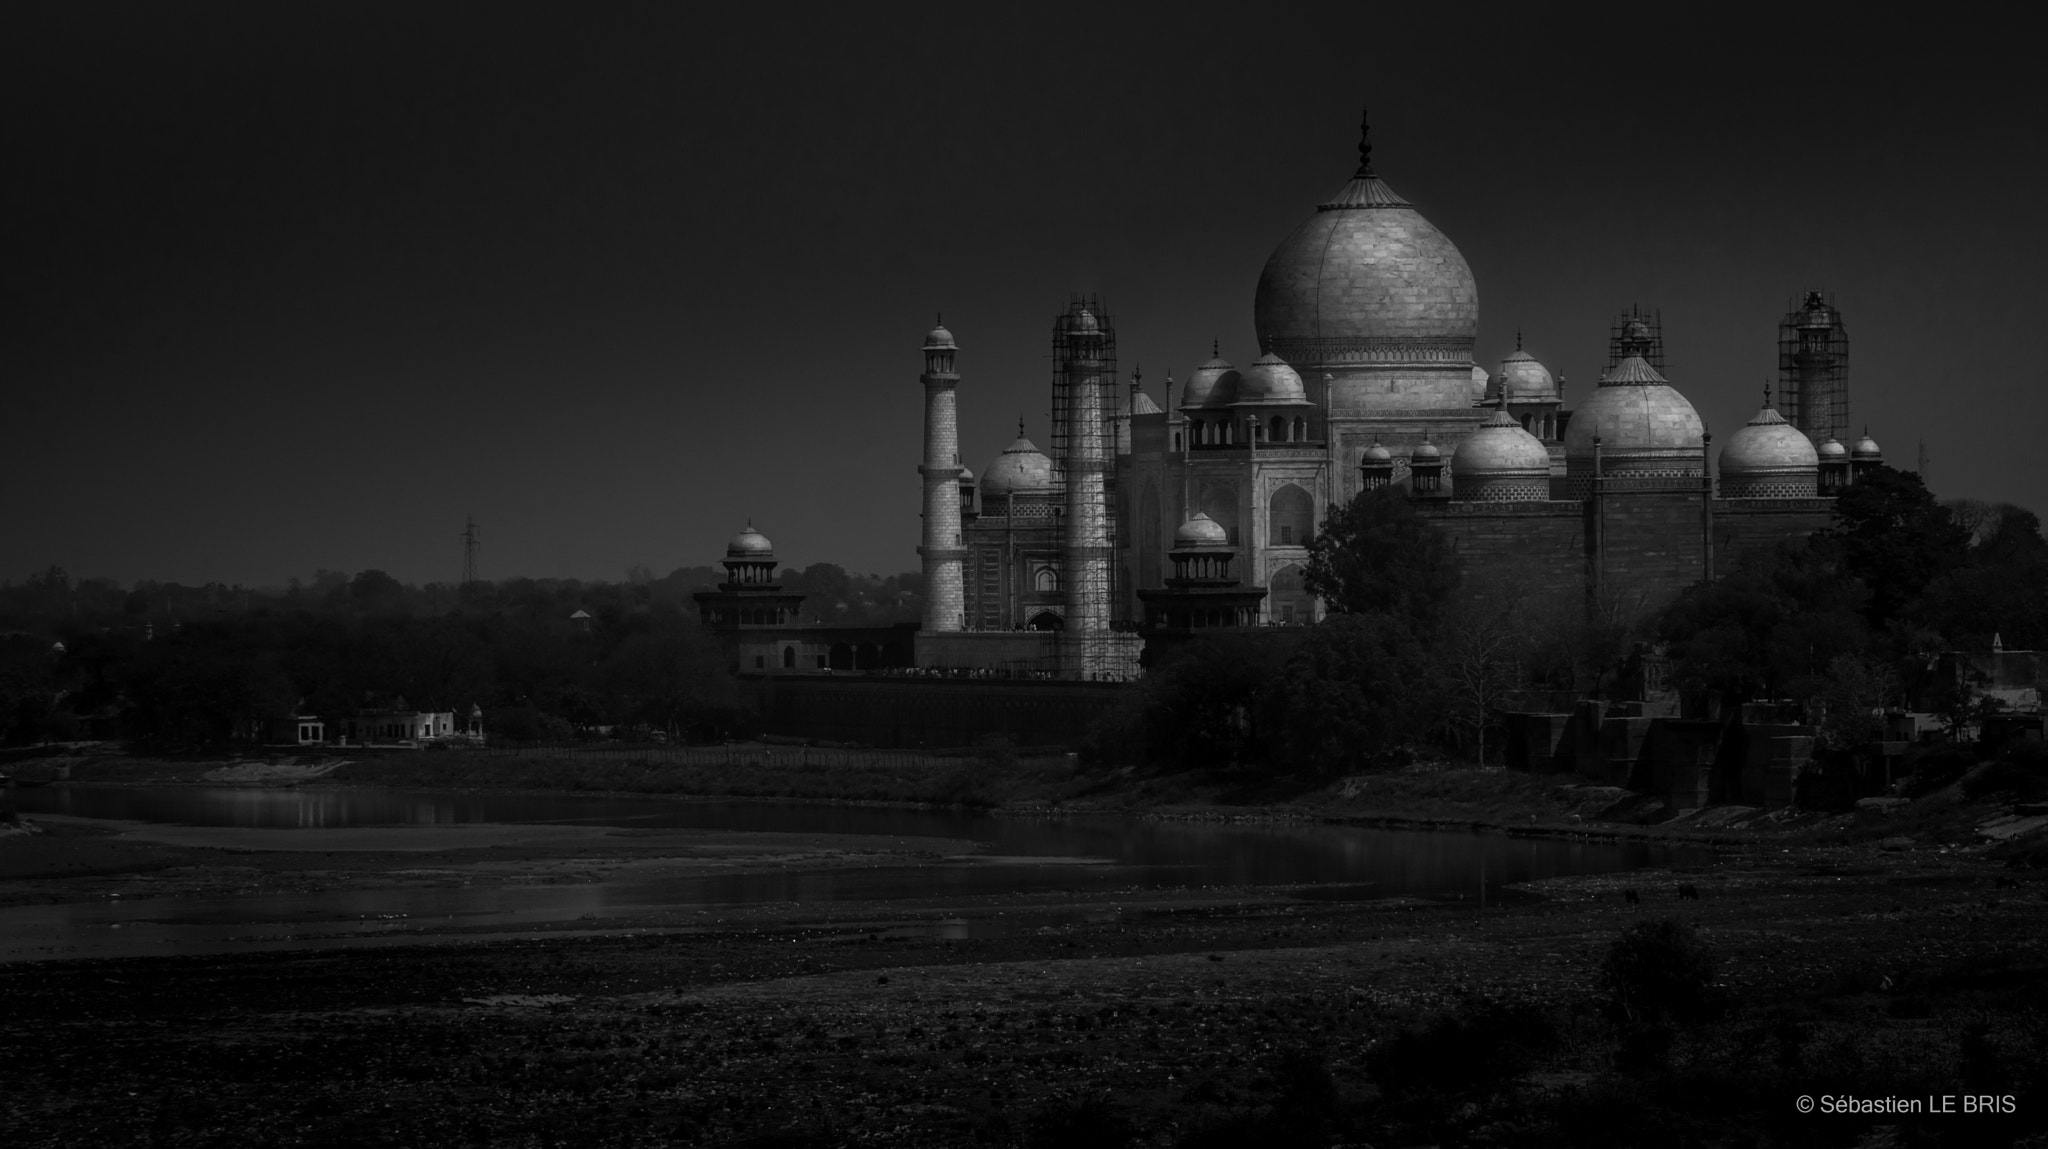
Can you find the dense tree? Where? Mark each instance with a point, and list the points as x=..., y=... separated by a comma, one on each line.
x=1361, y=691
x=1894, y=538
x=1377, y=555
x=1997, y=590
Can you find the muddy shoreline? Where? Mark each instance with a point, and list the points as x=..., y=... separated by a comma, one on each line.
x=1159, y=1017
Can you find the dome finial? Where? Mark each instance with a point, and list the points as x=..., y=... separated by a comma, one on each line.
x=1020, y=425
x=1364, y=144
x=1215, y=349
x=1767, y=394
x=938, y=319
x=1518, y=339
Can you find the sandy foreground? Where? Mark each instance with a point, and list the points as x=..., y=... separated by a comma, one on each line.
x=1218, y=1016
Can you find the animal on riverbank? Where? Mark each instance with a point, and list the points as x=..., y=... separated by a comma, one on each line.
x=1687, y=892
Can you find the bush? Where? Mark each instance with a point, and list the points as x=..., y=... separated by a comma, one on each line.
x=1471, y=1049
x=1660, y=970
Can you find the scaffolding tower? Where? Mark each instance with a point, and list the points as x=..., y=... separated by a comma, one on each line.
x=1083, y=442
x=1062, y=397
x=1648, y=341
x=1813, y=368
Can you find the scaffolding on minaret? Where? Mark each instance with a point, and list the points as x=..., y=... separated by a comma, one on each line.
x=1813, y=368
x=1062, y=396
x=1083, y=435
x=472, y=541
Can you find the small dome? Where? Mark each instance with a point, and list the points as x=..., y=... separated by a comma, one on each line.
x=1201, y=531
x=1866, y=448
x=1767, y=444
x=966, y=477
x=1376, y=454
x=1270, y=380
x=1020, y=469
x=1525, y=380
x=750, y=544
x=939, y=339
x=1500, y=447
x=1634, y=410
x=1426, y=450
x=1214, y=384
x=1082, y=322
x=1832, y=448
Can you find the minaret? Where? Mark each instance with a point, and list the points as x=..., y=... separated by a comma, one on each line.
x=945, y=602
x=1085, y=524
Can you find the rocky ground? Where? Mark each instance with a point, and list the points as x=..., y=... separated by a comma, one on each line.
x=1219, y=1017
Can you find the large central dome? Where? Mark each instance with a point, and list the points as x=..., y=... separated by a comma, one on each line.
x=1367, y=274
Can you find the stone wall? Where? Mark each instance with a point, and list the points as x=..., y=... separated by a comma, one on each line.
x=1747, y=526
x=1541, y=545
x=1648, y=545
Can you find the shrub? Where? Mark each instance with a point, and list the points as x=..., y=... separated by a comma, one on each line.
x=1470, y=1049
x=1660, y=970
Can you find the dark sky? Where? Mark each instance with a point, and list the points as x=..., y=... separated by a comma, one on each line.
x=293, y=286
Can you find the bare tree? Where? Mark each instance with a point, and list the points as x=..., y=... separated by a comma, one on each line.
x=1483, y=641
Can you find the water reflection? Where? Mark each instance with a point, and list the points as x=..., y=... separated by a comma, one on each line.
x=1018, y=856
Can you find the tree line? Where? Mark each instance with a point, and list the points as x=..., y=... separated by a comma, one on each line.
x=1418, y=654
x=179, y=668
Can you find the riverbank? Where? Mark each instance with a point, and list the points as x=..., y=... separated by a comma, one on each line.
x=1959, y=812
x=1176, y=1018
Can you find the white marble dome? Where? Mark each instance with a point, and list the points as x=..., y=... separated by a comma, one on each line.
x=1200, y=531
x=1214, y=384
x=1500, y=463
x=1366, y=267
x=1500, y=446
x=750, y=544
x=1270, y=380
x=1767, y=443
x=1634, y=411
x=1866, y=448
x=1768, y=458
x=1525, y=380
x=1020, y=470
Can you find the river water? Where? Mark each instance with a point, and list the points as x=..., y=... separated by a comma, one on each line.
x=987, y=858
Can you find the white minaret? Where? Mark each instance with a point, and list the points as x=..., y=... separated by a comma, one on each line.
x=945, y=602
x=1085, y=524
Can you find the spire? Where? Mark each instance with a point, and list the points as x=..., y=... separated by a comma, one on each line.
x=1020, y=424
x=1215, y=349
x=1767, y=393
x=938, y=319
x=1364, y=145
x=1518, y=339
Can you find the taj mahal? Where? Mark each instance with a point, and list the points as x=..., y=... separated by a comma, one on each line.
x=1146, y=519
